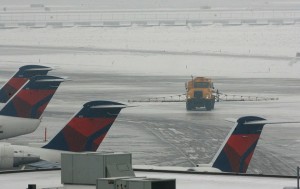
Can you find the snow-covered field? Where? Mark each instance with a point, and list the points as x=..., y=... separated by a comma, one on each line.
x=135, y=62
x=239, y=51
x=269, y=40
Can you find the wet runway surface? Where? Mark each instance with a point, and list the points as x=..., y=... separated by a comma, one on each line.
x=165, y=133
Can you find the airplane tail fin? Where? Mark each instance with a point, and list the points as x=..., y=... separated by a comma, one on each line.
x=87, y=128
x=19, y=79
x=237, y=150
x=32, y=99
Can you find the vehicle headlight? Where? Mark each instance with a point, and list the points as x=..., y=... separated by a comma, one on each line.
x=207, y=96
x=188, y=96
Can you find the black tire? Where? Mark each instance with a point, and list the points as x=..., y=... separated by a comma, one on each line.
x=213, y=104
x=209, y=105
x=189, y=106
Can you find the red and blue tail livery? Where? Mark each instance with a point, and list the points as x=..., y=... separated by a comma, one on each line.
x=32, y=99
x=19, y=79
x=87, y=129
x=236, y=153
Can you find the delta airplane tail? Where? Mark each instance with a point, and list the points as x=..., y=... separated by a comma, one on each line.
x=19, y=79
x=21, y=114
x=87, y=129
x=33, y=98
x=237, y=150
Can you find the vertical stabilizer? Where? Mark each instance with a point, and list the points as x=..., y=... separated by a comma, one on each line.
x=32, y=99
x=237, y=150
x=87, y=128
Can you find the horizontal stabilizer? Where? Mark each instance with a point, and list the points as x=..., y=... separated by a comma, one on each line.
x=48, y=78
x=35, y=67
x=39, y=69
x=109, y=106
x=232, y=120
x=269, y=122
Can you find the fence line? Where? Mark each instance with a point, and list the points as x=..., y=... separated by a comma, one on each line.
x=98, y=18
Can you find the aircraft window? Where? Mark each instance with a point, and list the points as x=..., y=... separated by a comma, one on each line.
x=201, y=85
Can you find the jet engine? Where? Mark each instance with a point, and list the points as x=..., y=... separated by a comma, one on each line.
x=6, y=156
x=10, y=158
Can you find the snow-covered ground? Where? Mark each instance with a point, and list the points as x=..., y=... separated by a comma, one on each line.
x=240, y=51
x=138, y=62
x=269, y=40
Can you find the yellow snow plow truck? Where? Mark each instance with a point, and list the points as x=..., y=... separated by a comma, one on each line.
x=200, y=93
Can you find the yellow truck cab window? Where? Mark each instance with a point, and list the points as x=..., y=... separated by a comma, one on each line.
x=201, y=85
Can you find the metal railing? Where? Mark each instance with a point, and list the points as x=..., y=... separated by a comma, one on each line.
x=138, y=16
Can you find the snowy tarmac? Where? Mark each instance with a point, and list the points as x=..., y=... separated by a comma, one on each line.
x=165, y=133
